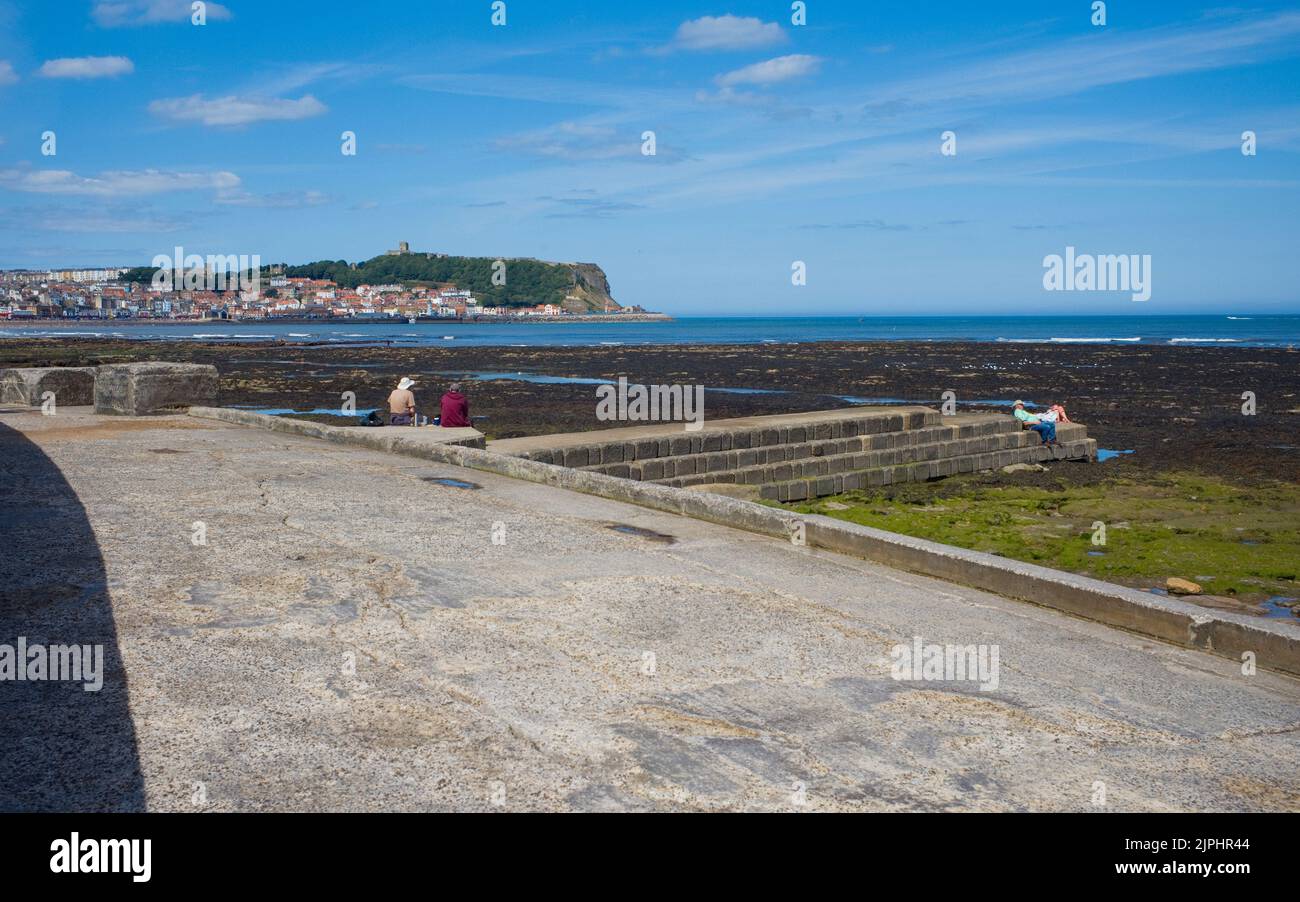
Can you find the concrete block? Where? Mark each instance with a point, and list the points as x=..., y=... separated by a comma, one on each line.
x=73, y=386
x=679, y=445
x=141, y=389
x=576, y=457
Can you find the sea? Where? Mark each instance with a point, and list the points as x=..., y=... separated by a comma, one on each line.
x=1271, y=330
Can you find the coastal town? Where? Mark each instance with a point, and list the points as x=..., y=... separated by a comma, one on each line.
x=100, y=294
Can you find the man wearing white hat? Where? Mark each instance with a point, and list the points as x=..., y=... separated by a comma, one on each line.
x=401, y=404
x=1046, y=429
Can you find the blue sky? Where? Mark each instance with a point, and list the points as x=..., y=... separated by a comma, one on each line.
x=775, y=143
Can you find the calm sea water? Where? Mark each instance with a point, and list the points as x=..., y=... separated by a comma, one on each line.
x=1197, y=331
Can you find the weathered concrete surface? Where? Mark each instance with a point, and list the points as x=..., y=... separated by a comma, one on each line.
x=144, y=389
x=518, y=668
x=1275, y=645
x=73, y=386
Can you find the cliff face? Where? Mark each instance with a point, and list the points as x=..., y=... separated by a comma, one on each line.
x=590, y=293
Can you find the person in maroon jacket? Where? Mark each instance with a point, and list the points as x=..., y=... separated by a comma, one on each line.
x=455, y=408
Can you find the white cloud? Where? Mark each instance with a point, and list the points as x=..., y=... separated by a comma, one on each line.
x=283, y=200
x=117, y=13
x=7, y=74
x=773, y=71
x=114, y=183
x=87, y=67
x=726, y=33
x=573, y=141
x=233, y=110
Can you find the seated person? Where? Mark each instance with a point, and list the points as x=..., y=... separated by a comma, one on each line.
x=401, y=404
x=1045, y=429
x=455, y=408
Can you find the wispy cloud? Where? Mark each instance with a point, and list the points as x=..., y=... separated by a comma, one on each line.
x=96, y=220
x=725, y=33
x=114, y=183
x=871, y=225
x=291, y=79
x=234, y=110
x=87, y=67
x=545, y=89
x=280, y=200
x=573, y=141
x=7, y=74
x=586, y=207
x=1081, y=64
x=120, y=13
x=773, y=71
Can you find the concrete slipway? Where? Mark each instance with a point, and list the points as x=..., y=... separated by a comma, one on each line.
x=351, y=638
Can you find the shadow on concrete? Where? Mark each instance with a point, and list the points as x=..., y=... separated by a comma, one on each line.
x=63, y=748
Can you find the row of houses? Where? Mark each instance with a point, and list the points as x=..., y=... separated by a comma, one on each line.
x=23, y=296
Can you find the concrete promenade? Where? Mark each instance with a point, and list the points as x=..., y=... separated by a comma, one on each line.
x=365, y=631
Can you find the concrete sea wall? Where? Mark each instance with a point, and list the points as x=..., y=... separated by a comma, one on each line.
x=1274, y=645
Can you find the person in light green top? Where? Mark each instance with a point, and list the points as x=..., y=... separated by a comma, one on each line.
x=1046, y=429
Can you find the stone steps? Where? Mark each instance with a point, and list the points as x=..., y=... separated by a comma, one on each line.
x=657, y=469
x=851, y=461
x=921, y=470
x=628, y=445
x=809, y=454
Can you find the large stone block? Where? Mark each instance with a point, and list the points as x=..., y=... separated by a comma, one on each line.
x=144, y=389
x=73, y=386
